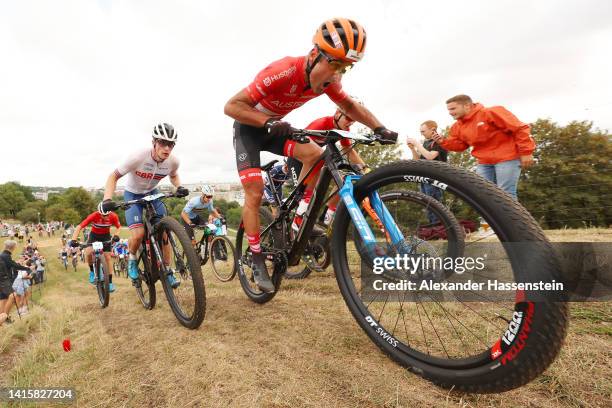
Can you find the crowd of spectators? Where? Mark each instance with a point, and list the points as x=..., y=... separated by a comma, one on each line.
x=18, y=273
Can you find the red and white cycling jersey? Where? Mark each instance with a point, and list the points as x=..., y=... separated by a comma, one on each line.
x=144, y=173
x=100, y=224
x=279, y=88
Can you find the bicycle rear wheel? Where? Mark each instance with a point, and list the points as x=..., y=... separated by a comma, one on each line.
x=223, y=258
x=476, y=345
x=102, y=284
x=188, y=300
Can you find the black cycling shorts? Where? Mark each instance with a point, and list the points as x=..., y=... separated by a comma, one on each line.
x=249, y=141
x=101, y=238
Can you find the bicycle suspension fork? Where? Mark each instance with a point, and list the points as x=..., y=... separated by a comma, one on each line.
x=378, y=211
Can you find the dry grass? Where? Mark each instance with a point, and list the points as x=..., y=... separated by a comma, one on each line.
x=303, y=349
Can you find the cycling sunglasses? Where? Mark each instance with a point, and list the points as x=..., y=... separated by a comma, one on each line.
x=166, y=143
x=341, y=67
x=208, y=196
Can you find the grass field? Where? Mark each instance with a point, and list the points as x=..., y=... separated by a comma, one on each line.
x=301, y=349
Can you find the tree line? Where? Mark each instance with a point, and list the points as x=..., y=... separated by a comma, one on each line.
x=569, y=186
x=75, y=203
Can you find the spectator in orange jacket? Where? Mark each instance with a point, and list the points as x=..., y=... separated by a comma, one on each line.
x=500, y=142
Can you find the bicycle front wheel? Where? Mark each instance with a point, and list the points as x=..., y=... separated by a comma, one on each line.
x=145, y=285
x=223, y=258
x=476, y=343
x=102, y=284
x=181, y=273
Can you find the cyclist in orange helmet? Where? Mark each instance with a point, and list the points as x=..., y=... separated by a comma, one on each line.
x=278, y=89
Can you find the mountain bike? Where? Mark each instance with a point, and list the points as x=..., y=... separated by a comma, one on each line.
x=317, y=254
x=220, y=250
x=165, y=250
x=475, y=344
x=101, y=271
x=75, y=261
x=122, y=265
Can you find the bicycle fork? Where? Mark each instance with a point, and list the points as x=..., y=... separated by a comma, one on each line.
x=379, y=212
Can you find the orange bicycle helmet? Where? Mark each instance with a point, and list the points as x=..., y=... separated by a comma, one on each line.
x=342, y=39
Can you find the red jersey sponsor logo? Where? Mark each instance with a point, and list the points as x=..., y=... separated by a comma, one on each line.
x=267, y=81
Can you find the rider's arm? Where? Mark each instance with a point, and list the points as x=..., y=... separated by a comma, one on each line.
x=77, y=231
x=111, y=185
x=359, y=112
x=354, y=157
x=116, y=223
x=241, y=108
x=185, y=217
x=175, y=180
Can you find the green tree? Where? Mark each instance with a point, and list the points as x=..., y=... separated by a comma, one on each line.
x=71, y=216
x=377, y=155
x=12, y=199
x=28, y=215
x=40, y=206
x=233, y=217
x=570, y=185
x=80, y=200
x=54, y=212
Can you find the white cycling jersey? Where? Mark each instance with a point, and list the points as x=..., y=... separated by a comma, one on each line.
x=144, y=173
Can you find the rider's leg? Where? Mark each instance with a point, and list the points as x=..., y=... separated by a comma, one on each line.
x=249, y=142
x=331, y=209
x=308, y=154
x=107, y=255
x=134, y=241
x=133, y=218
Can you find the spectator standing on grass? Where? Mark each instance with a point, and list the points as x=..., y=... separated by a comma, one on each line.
x=7, y=268
x=429, y=150
x=21, y=286
x=7, y=297
x=500, y=142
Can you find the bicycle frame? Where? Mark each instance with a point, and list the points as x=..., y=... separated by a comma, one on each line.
x=333, y=162
x=149, y=227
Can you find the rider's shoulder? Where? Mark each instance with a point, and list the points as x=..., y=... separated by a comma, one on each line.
x=283, y=68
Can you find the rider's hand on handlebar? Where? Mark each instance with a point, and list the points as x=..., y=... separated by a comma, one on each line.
x=181, y=191
x=116, y=238
x=278, y=128
x=109, y=205
x=73, y=243
x=385, y=136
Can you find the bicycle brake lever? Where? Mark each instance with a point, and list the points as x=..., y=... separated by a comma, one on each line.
x=301, y=139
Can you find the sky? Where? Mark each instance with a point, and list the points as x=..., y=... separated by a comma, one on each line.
x=83, y=82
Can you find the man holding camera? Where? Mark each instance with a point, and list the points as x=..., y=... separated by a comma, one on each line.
x=429, y=150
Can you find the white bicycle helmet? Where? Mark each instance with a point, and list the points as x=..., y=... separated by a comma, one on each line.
x=101, y=209
x=208, y=190
x=165, y=131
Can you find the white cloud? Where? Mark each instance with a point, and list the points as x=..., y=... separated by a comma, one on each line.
x=83, y=83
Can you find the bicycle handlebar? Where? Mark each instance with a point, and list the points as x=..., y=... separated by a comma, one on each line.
x=83, y=246
x=148, y=198
x=300, y=135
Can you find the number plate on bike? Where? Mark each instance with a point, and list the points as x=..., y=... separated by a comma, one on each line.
x=97, y=246
x=153, y=197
